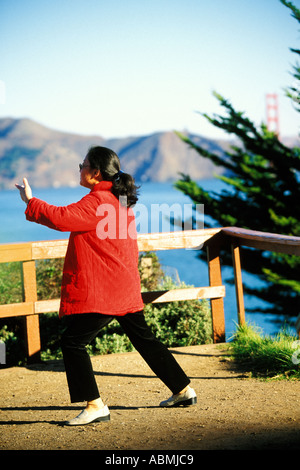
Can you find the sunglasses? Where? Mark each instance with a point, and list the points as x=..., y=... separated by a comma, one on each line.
x=81, y=166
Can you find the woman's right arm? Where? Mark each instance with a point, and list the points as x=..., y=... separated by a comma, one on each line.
x=78, y=217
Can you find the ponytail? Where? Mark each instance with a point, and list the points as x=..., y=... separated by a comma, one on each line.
x=107, y=161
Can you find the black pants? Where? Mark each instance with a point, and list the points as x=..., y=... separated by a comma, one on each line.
x=81, y=329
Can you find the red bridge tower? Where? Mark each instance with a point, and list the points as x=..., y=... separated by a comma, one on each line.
x=272, y=112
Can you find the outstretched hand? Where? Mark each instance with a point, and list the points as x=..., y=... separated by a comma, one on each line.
x=25, y=191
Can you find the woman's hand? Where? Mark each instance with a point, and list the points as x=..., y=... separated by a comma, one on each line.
x=25, y=191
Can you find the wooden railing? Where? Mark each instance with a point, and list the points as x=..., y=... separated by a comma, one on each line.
x=211, y=239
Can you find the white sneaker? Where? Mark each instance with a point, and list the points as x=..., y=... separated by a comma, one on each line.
x=86, y=418
x=184, y=399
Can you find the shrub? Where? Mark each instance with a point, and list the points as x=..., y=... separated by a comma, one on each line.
x=181, y=323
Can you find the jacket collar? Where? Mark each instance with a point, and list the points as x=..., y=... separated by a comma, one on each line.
x=102, y=186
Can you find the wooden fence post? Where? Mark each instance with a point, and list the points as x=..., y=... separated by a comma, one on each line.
x=215, y=279
x=32, y=326
x=238, y=282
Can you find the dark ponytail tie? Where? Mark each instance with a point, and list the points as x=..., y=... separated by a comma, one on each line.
x=117, y=175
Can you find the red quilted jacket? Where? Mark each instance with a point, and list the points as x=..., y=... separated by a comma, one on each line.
x=101, y=265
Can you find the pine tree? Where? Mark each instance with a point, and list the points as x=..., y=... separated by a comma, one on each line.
x=263, y=177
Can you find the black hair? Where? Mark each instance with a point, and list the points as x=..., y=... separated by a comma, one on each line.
x=107, y=161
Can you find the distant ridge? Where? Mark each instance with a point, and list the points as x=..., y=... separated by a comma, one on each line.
x=50, y=158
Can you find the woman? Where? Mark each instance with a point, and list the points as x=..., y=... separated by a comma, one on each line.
x=101, y=280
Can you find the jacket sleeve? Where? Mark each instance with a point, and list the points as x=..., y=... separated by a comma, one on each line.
x=77, y=217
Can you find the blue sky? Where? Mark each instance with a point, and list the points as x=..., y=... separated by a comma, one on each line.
x=118, y=68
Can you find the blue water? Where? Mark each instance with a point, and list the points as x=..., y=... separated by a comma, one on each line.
x=182, y=263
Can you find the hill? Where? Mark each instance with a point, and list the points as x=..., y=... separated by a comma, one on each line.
x=49, y=157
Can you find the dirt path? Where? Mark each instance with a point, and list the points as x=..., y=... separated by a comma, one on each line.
x=233, y=411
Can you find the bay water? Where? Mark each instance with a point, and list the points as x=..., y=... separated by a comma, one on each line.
x=184, y=265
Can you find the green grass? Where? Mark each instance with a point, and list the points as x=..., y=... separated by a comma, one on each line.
x=275, y=357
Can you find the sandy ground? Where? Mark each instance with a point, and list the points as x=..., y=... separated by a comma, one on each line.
x=234, y=412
